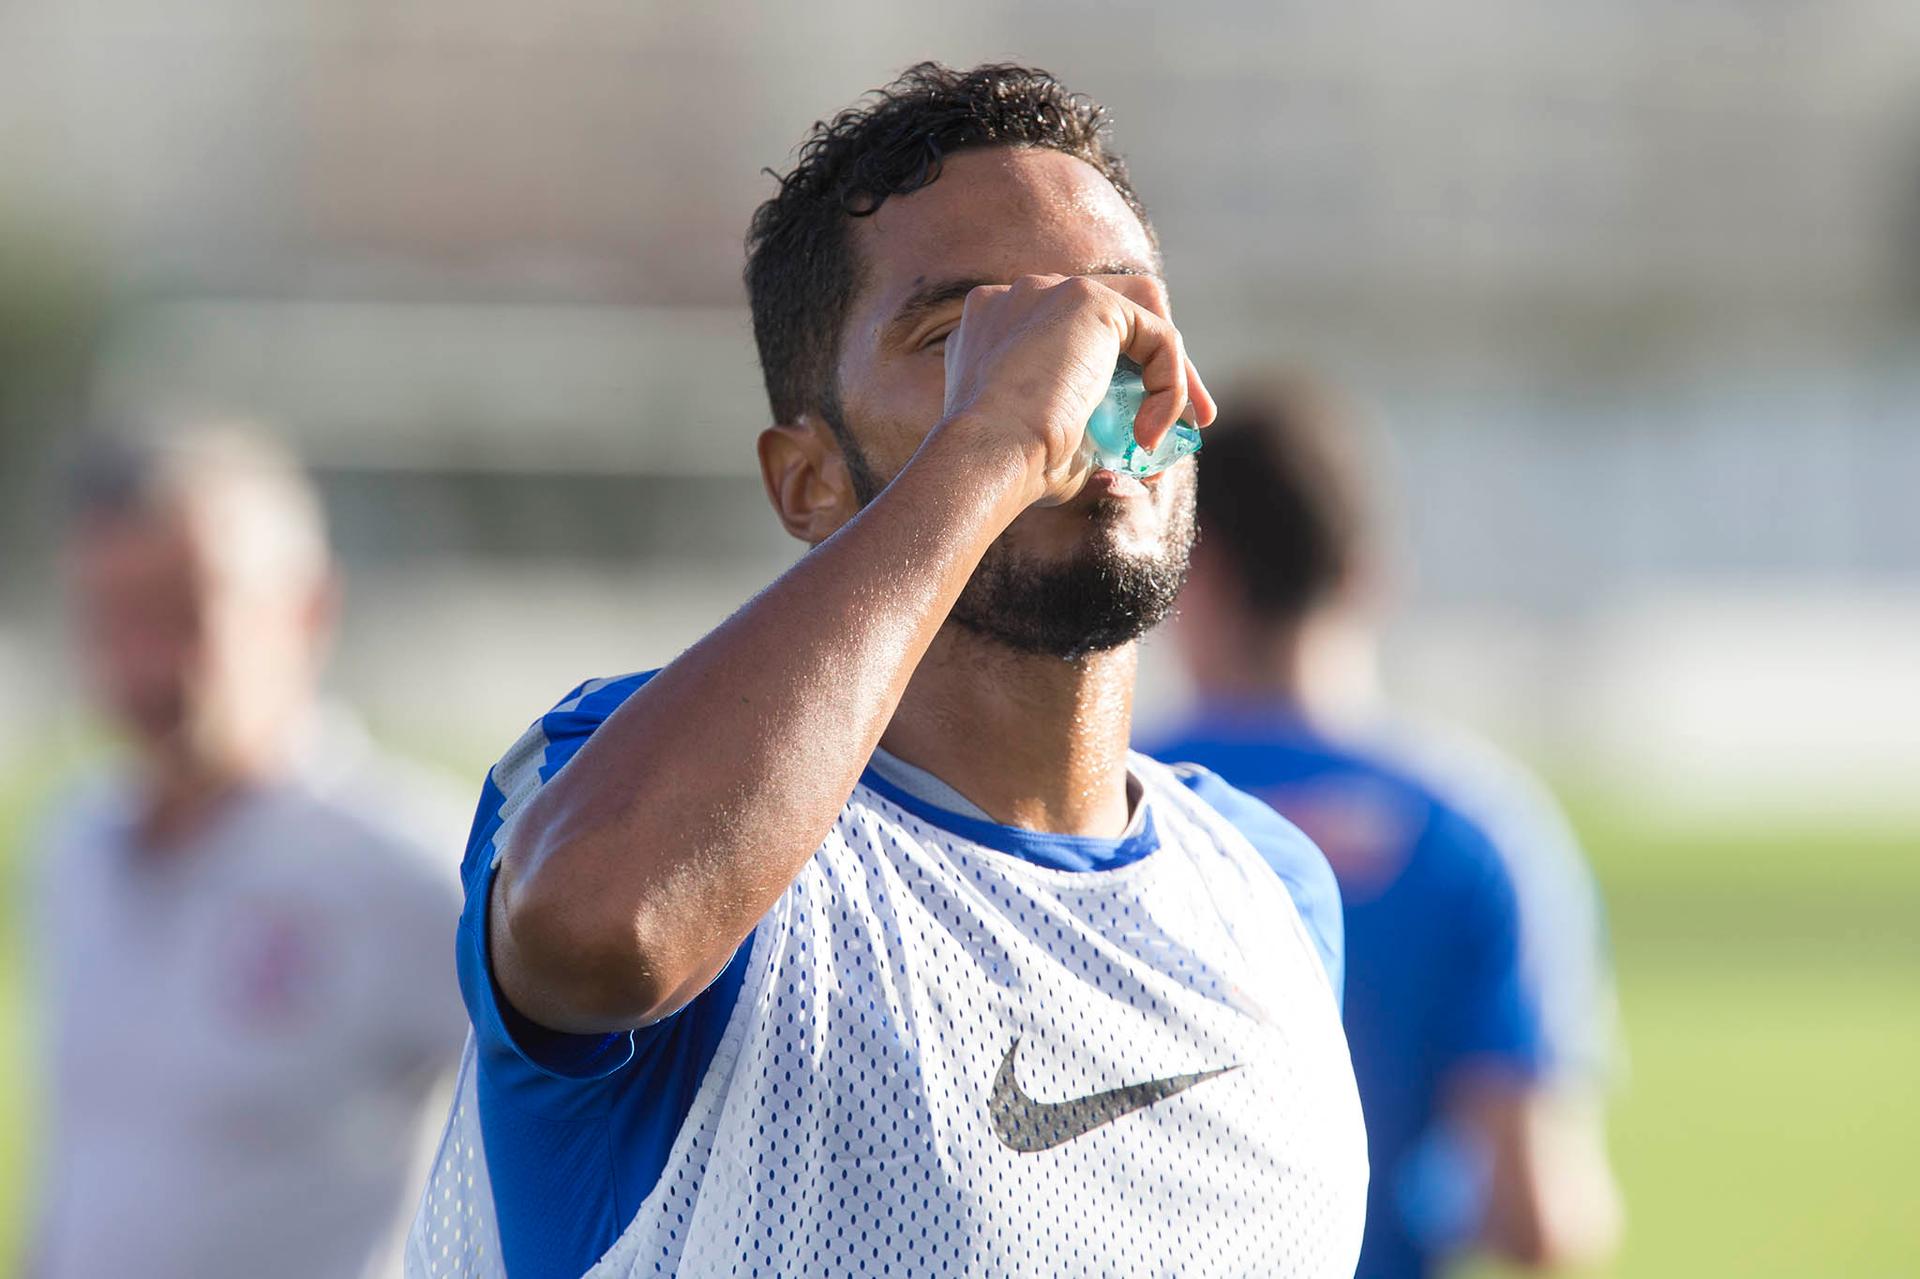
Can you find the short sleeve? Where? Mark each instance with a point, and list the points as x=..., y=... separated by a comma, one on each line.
x=577, y=1128
x=513, y=1049
x=1561, y=941
x=1494, y=1017
x=1539, y=900
x=1294, y=858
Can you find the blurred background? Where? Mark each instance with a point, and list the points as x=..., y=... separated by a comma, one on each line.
x=1630, y=290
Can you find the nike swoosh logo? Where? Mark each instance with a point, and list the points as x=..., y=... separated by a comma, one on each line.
x=1026, y=1125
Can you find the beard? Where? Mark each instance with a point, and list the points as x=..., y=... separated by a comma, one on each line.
x=1100, y=597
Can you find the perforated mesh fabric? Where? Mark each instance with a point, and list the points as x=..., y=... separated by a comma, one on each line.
x=868, y=1113
x=454, y=1235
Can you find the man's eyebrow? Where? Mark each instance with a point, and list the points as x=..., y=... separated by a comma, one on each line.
x=939, y=294
x=924, y=301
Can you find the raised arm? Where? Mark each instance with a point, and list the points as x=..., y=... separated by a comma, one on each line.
x=630, y=880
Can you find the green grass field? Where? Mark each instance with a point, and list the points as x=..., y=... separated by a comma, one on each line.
x=1770, y=983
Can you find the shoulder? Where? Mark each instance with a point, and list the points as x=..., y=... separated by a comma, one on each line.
x=583, y=709
x=80, y=813
x=1529, y=883
x=1444, y=797
x=72, y=839
x=1305, y=772
x=1503, y=818
x=1294, y=858
x=1378, y=804
x=557, y=736
x=542, y=751
x=1523, y=888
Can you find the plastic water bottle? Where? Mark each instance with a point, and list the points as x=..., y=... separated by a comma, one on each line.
x=1109, y=441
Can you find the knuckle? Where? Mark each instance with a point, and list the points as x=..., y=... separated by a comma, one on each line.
x=982, y=294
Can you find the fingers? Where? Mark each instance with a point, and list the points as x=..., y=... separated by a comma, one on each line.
x=1199, y=399
x=1148, y=290
x=1195, y=403
x=1133, y=307
x=1154, y=344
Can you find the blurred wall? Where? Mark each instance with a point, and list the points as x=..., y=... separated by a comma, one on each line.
x=1630, y=288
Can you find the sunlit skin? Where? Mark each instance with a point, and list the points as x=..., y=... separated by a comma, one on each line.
x=205, y=669
x=993, y=217
x=636, y=872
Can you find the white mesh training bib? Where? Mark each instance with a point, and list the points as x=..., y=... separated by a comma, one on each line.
x=948, y=1061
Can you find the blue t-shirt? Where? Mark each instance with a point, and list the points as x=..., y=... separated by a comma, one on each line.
x=578, y=1128
x=1472, y=941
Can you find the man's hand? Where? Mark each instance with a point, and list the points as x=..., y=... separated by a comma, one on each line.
x=1031, y=360
x=632, y=878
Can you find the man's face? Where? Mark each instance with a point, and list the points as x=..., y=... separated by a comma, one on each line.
x=1088, y=575
x=187, y=655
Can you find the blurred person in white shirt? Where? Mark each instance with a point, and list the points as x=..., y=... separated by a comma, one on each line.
x=244, y=925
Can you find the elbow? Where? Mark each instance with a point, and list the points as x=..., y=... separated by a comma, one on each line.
x=1535, y=1251
x=1547, y=1253
x=1574, y=1236
x=586, y=959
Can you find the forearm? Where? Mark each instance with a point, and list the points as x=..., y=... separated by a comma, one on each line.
x=1551, y=1200
x=636, y=873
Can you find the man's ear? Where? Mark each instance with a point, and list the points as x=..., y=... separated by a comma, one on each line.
x=807, y=479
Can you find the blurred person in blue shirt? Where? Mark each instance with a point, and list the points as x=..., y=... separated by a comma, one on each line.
x=1478, y=1000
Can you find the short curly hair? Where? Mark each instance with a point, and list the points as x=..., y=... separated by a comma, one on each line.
x=801, y=271
x=1283, y=496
